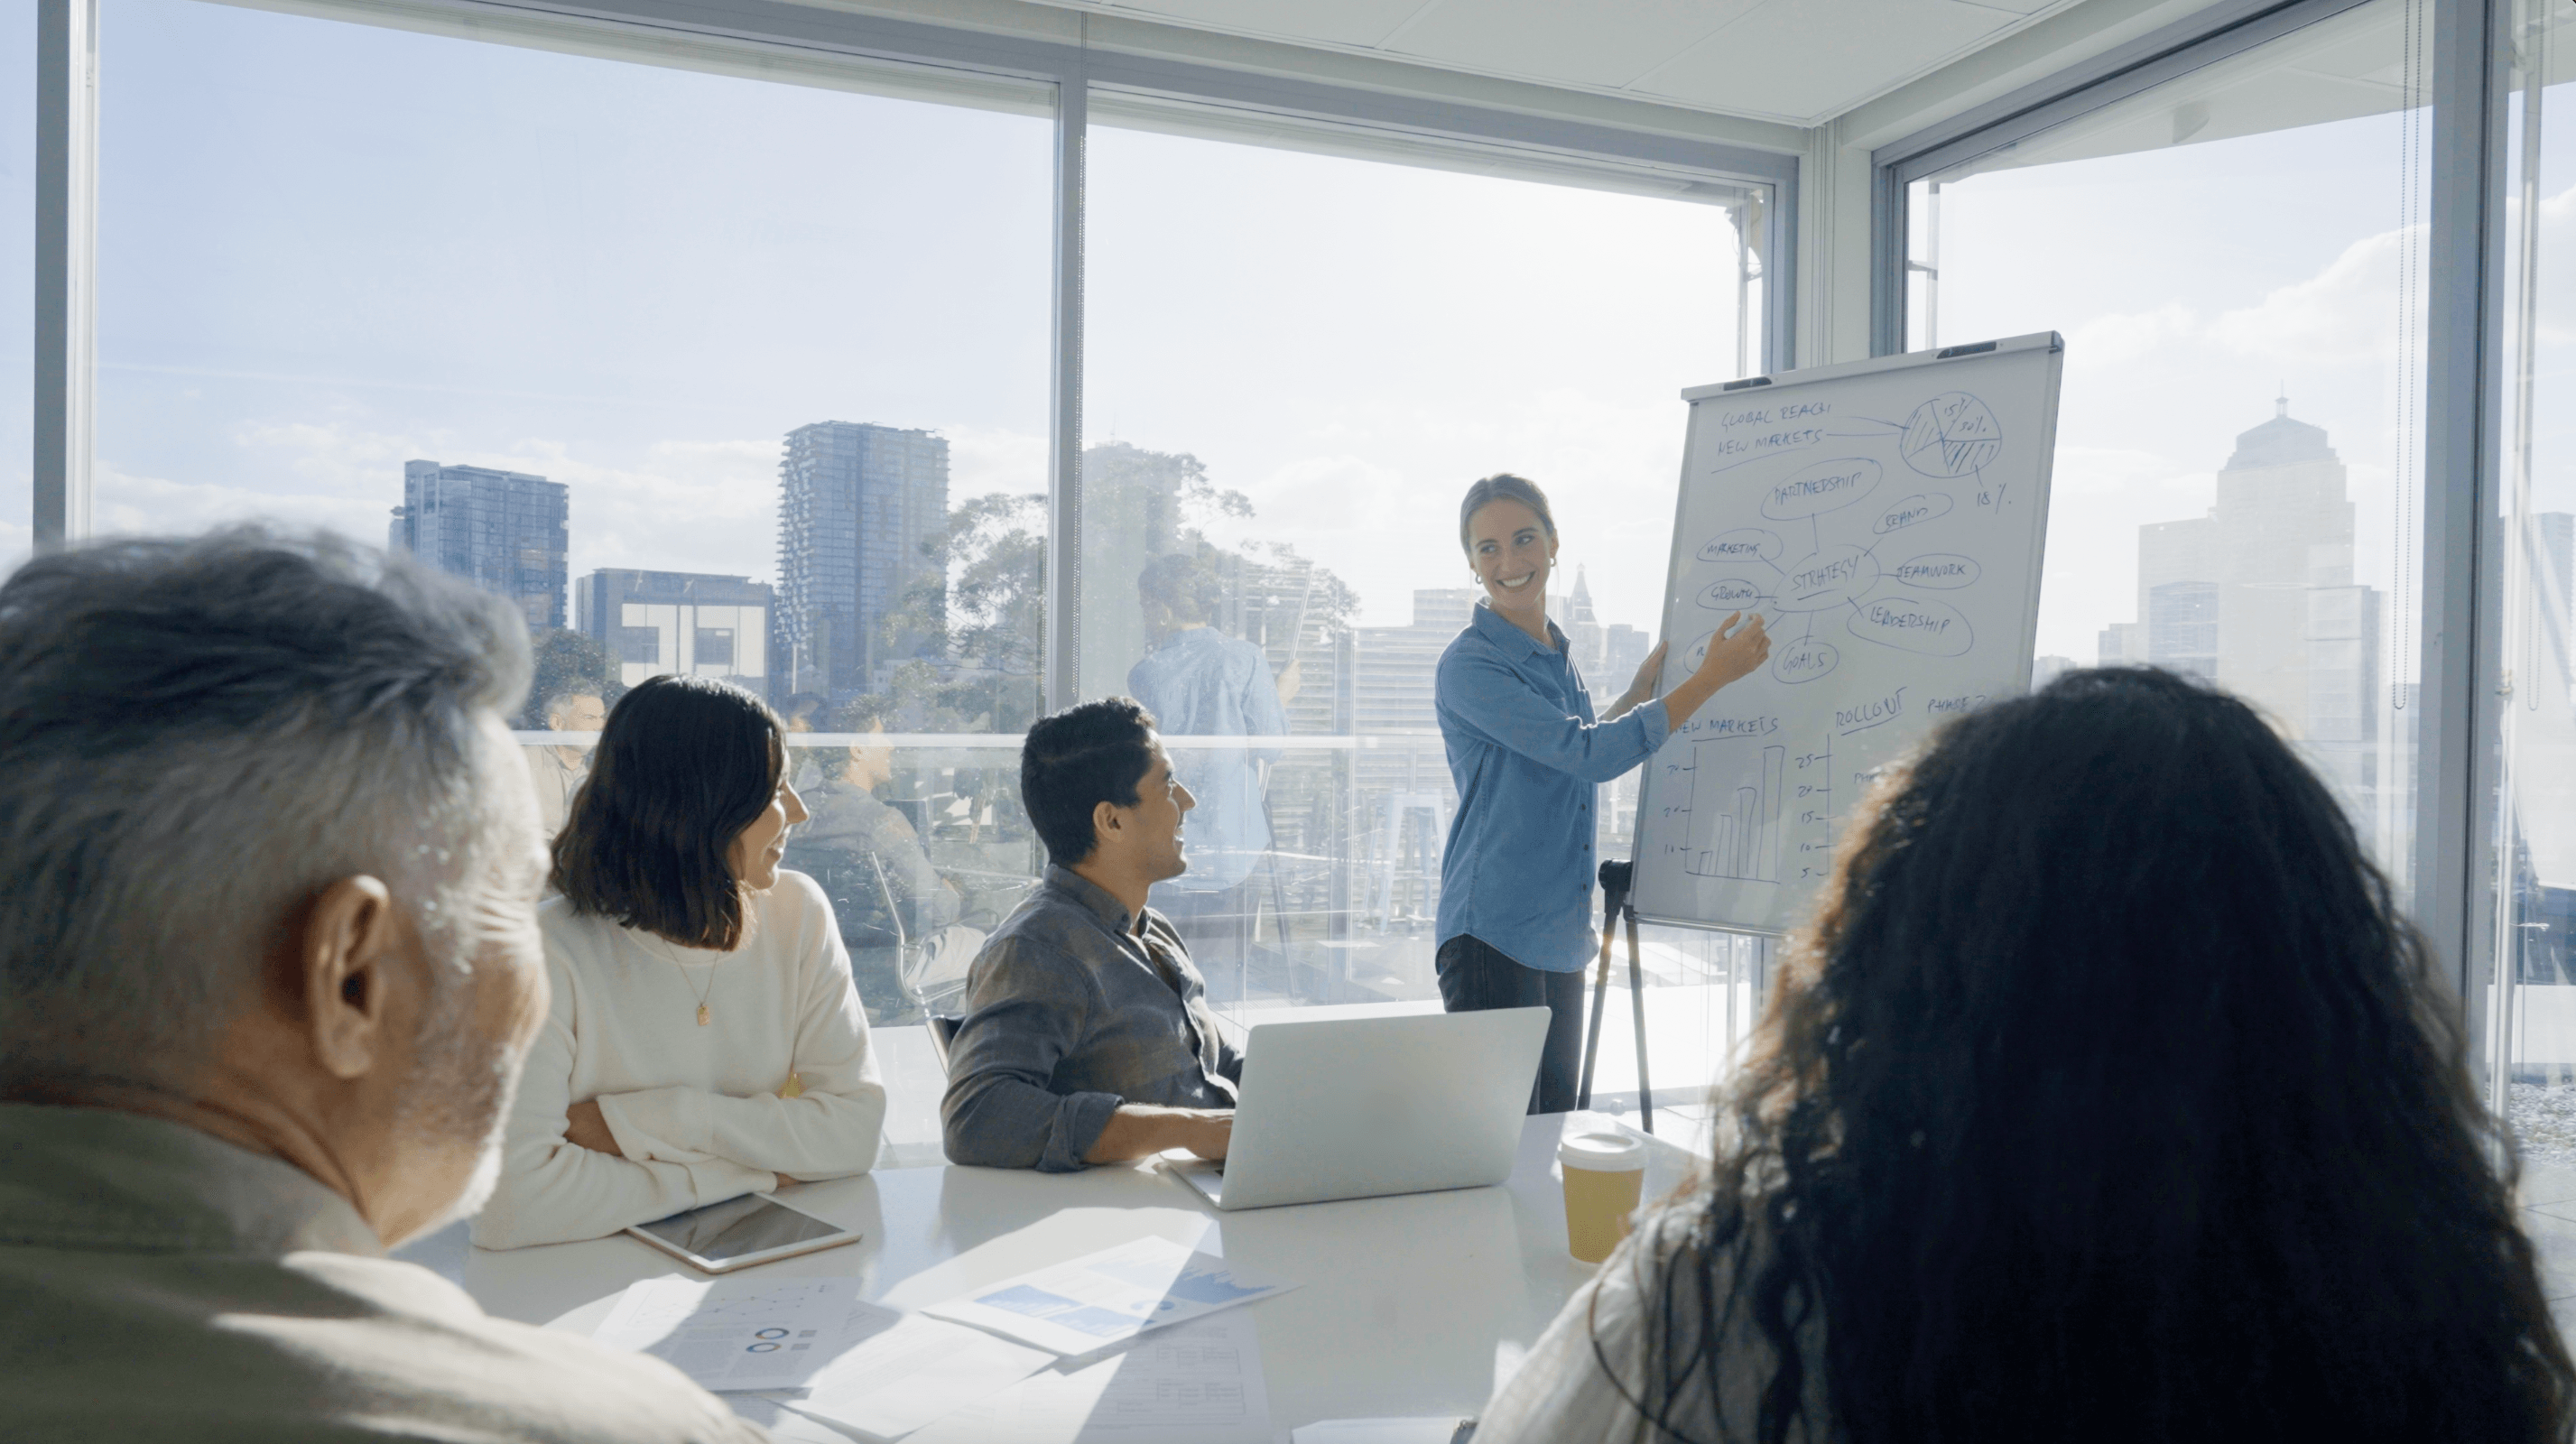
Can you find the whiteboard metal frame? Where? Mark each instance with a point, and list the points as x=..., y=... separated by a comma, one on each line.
x=1761, y=386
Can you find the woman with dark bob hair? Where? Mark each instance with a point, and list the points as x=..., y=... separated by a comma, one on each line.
x=705, y=1039
x=2107, y=1097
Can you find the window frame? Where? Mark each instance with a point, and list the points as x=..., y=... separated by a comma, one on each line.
x=2460, y=615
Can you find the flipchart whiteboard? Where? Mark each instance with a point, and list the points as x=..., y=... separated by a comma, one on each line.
x=1885, y=518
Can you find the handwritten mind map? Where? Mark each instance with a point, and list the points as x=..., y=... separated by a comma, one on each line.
x=1884, y=520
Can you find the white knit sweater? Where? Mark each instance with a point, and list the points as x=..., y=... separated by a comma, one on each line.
x=695, y=1110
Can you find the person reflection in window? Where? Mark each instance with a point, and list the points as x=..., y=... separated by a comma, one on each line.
x=1202, y=683
x=557, y=772
x=898, y=913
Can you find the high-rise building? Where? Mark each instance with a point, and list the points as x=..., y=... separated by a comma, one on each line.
x=2177, y=599
x=505, y=531
x=2553, y=581
x=2281, y=527
x=2258, y=594
x=859, y=507
x=1402, y=783
x=685, y=624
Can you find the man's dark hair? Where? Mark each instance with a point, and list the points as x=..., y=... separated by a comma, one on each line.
x=683, y=766
x=1074, y=761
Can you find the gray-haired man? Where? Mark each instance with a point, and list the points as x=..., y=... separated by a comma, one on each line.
x=268, y=968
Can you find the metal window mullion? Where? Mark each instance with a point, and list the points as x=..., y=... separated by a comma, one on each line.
x=66, y=255
x=1064, y=434
x=2456, y=769
x=1780, y=276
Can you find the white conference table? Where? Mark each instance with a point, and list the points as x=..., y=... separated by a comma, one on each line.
x=1415, y=1305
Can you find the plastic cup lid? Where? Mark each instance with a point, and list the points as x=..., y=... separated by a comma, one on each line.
x=1601, y=1152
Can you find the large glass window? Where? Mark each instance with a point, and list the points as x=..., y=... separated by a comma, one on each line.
x=1297, y=363
x=706, y=373
x=2531, y=993
x=2235, y=259
x=17, y=302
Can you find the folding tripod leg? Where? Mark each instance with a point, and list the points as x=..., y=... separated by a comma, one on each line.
x=1637, y=1000
x=1600, y=996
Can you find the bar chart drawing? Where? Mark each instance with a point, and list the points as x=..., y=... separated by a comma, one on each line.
x=1734, y=828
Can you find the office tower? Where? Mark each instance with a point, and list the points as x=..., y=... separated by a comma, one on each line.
x=505, y=531
x=1404, y=792
x=2177, y=599
x=2121, y=643
x=686, y=624
x=1131, y=514
x=1623, y=651
x=1586, y=640
x=2258, y=594
x=2553, y=582
x=2047, y=669
x=2282, y=526
x=859, y=504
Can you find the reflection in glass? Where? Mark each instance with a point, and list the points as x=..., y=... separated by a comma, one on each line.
x=1201, y=683
x=899, y=914
x=1296, y=364
x=17, y=302
x=2530, y=993
x=2235, y=491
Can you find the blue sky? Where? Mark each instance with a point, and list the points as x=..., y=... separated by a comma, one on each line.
x=327, y=249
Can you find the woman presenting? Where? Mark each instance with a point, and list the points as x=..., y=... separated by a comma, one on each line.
x=1526, y=753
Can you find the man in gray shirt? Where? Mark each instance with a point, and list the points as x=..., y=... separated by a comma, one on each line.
x=268, y=970
x=1087, y=1036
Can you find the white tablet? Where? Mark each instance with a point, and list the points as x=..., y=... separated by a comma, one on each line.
x=741, y=1232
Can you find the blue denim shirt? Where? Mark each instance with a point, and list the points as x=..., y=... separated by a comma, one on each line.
x=1203, y=683
x=1075, y=1006
x=1526, y=756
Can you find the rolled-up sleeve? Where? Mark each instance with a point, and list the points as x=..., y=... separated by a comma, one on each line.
x=1480, y=694
x=1026, y=1009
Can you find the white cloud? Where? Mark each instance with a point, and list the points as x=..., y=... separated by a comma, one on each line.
x=130, y=504
x=984, y=459
x=2343, y=315
x=2123, y=336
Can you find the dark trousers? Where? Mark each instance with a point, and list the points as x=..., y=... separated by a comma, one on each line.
x=1474, y=977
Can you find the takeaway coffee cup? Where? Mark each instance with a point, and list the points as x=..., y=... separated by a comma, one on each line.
x=1605, y=1174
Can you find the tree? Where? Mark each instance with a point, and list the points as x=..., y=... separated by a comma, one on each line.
x=982, y=613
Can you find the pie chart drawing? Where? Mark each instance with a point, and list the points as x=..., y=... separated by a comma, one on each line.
x=1953, y=434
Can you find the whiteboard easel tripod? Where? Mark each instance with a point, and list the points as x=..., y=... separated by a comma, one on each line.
x=1615, y=908
x=1886, y=518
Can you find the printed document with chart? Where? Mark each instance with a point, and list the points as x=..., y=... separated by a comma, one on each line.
x=1106, y=1298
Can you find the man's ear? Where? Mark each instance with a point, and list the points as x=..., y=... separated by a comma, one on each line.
x=1104, y=822
x=346, y=959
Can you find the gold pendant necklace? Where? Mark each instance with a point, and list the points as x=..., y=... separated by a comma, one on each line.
x=703, y=993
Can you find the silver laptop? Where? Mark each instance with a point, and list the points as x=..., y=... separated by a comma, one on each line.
x=1358, y=1107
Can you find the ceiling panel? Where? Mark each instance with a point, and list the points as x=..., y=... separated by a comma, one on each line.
x=1600, y=43
x=1800, y=61
x=1360, y=23
x=1812, y=58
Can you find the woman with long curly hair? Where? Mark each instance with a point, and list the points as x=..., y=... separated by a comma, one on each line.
x=2107, y=1097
